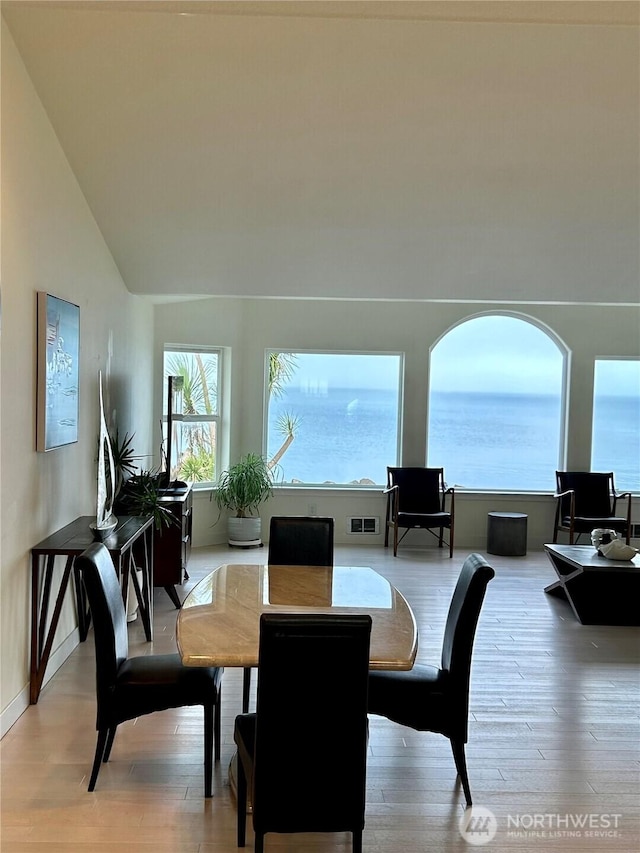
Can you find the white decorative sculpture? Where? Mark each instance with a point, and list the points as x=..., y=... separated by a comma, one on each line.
x=105, y=522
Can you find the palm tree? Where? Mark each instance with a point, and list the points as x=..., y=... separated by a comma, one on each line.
x=199, y=390
x=197, y=462
x=282, y=366
x=287, y=425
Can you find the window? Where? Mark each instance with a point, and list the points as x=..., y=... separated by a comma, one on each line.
x=615, y=443
x=333, y=417
x=496, y=405
x=195, y=439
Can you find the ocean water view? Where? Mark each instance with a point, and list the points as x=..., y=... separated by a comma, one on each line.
x=483, y=440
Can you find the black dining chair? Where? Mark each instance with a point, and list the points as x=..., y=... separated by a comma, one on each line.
x=586, y=500
x=300, y=540
x=129, y=687
x=436, y=699
x=302, y=755
x=295, y=540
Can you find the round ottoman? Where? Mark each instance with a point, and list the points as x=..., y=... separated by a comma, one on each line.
x=507, y=534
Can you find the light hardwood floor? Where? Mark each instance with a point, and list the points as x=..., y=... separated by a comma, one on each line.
x=554, y=737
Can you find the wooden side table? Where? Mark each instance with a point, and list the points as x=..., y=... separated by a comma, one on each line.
x=130, y=544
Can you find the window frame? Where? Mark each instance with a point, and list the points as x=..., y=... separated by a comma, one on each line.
x=400, y=355
x=216, y=418
x=565, y=354
x=620, y=485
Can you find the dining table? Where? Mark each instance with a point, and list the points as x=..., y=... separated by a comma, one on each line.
x=219, y=622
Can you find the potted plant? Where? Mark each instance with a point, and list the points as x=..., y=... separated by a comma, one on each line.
x=138, y=492
x=142, y=495
x=241, y=489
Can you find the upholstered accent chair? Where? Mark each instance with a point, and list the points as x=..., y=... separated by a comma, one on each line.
x=586, y=500
x=416, y=498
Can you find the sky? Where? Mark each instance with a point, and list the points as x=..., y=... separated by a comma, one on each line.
x=497, y=353
x=619, y=376
x=319, y=372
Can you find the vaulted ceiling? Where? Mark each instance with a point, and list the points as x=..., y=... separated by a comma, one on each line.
x=379, y=150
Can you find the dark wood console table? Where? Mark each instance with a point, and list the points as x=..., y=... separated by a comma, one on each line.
x=130, y=543
x=600, y=591
x=172, y=544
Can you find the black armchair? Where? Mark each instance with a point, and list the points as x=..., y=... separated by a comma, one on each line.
x=303, y=753
x=432, y=699
x=586, y=500
x=416, y=498
x=295, y=540
x=129, y=687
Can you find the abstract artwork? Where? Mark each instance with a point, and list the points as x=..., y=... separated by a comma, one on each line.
x=105, y=522
x=58, y=372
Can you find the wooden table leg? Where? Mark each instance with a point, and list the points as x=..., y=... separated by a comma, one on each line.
x=40, y=652
x=35, y=628
x=43, y=603
x=82, y=608
x=173, y=595
x=145, y=595
x=139, y=559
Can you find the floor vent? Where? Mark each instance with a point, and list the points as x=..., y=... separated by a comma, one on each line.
x=635, y=531
x=366, y=524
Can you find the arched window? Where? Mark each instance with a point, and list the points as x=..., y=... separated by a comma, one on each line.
x=496, y=405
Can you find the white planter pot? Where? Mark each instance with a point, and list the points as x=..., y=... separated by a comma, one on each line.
x=245, y=532
x=132, y=601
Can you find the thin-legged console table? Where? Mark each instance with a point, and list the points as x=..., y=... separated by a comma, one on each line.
x=130, y=544
x=600, y=591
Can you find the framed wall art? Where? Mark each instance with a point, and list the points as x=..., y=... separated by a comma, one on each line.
x=58, y=372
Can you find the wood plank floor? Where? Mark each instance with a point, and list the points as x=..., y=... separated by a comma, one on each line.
x=554, y=738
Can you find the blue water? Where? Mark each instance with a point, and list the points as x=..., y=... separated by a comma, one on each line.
x=483, y=441
x=343, y=435
x=495, y=441
x=616, y=440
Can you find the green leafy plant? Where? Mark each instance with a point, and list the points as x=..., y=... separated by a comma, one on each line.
x=142, y=495
x=245, y=485
x=138, y=492
x=124, y=459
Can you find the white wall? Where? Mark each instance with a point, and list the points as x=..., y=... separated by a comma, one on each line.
x=50, y=242
x=248, y=327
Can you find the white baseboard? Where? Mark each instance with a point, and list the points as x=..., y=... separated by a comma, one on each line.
x=19, y=705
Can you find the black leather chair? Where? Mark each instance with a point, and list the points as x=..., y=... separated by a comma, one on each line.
x=432, y=699
x=295, y=540
x=416, y=498
x=298, y=540
x=129, y=687
x=303, y=753
x=586, y=500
